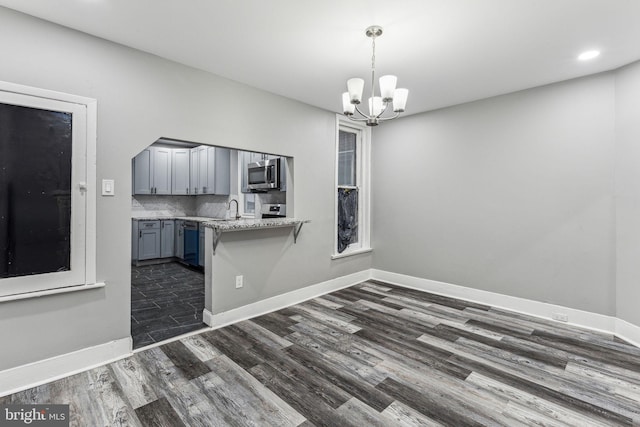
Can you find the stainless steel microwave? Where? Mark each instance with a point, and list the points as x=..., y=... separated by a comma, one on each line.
x=264, y=175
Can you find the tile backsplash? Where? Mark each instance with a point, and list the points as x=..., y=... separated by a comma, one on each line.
x=212, y=206
x=151, y=206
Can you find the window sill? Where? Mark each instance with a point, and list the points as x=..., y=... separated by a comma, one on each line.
x=37, y=294
x=355, y=252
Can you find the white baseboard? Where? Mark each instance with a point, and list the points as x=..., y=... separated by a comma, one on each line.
x=544, y=310
x=628, y=332
x=277, y=302
x=43, y=371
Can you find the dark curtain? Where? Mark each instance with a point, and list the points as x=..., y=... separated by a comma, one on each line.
x=347, y=217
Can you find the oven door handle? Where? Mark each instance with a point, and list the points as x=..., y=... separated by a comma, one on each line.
x=267, y=174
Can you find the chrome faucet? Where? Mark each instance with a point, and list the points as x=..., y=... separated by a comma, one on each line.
x=237, y=208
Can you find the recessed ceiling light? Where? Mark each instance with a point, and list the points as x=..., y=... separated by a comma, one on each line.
x=590, y=54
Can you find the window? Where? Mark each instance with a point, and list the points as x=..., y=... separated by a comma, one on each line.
x=44, y=190
x=352, y=189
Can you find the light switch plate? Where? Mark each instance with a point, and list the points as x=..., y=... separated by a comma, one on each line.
x=108, y=187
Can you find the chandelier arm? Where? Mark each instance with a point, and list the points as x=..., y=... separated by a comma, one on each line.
x=361, y=113
x=388, y=118
x=386, y=105
x=356, y=119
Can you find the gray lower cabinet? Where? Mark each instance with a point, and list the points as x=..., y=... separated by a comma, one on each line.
x=179, y=239
x=201, y=246
x=167, y=239
x=148, y=240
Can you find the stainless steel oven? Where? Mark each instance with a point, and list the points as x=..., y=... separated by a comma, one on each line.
x=264, y=175
x=273, y=210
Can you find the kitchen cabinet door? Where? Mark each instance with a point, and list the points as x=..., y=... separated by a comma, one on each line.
x=134, y=240
x=213, y=170
x=148, y=240
x=152, y=171
x=179, y=239
x=219, y=176
x=193, y=172
x=161, y=170
x=203, y=170
x=167, y=238
x=143, y=172
x=180, y=171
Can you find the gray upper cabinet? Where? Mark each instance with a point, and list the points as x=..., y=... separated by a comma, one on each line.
x=152, y=171
x=210, y=169
x=180, y=171
x=203, y=170
x=142, y=173
x=220, y=160
x=161, y=170
x=193, y=172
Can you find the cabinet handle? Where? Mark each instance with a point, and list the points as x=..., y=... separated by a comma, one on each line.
x=140, y=234
x=204, y=190
x=162, y=224
x=187, y=191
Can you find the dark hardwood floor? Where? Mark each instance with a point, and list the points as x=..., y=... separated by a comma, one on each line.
x=370, y=355
x=167, y=300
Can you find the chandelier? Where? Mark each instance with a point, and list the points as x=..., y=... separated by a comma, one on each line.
x=378, y=105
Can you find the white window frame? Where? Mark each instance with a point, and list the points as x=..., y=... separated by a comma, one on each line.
x=82, y=274
x=363, y=181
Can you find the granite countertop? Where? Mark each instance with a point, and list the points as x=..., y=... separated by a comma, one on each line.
x=185, y=218
x=252, y=224
x=224, y=225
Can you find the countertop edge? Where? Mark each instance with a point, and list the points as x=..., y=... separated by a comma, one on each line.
x=253, y=224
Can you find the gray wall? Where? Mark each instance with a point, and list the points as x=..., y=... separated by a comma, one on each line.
x=512, y=194
x=628, y=192
x=140, y=99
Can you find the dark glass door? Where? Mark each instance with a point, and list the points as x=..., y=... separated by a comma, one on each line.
x=35, y=191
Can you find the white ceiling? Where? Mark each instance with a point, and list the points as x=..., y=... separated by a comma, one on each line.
x=445, y=52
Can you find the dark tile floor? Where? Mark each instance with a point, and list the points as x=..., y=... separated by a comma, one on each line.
x=166, y=301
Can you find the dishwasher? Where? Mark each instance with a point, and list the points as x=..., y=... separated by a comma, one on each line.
x=191, y=243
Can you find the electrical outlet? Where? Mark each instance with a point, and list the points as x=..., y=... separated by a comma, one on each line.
x=239, y=282
x=560, y=317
